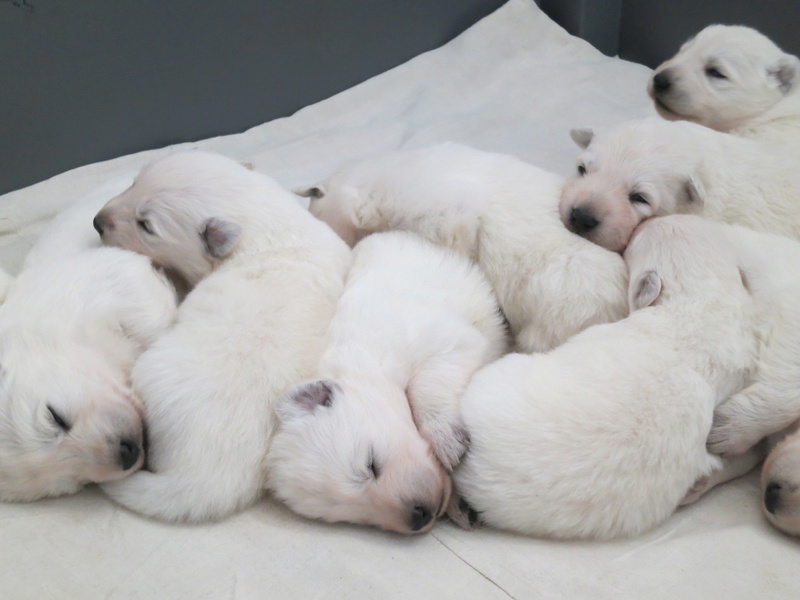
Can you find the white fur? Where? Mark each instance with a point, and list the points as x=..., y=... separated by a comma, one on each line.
x=606, y=435
x=414, y=323
x=732, y=79
x=249, y=331
x=70, y=330
x=497, y=210
x=771, y=402
x=653, y=167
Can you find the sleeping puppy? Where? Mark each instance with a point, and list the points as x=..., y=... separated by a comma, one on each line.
x=771, y=402
x=732, y=79
x=780, y=484
x=414, y=323
x=266, y=276
x=605, y=436
x=496, y=210
x=652, y=167
x=70, y=330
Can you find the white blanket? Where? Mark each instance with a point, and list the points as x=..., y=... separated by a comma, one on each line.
x=515, y=82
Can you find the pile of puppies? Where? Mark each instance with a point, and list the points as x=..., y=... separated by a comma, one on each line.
x=354, y=359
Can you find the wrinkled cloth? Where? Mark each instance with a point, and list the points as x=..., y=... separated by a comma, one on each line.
x=515, y=82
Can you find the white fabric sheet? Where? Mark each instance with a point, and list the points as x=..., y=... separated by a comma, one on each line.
x=515, y=82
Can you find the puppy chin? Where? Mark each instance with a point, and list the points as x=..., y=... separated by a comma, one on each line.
x=665, y=112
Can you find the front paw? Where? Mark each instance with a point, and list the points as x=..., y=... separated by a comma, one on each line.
x=700, y=487
x=462, y=514
x=730, y=437
x=448, y=441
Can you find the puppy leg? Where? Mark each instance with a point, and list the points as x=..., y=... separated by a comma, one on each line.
x=772, y=402
x=150, y=307
x=732, y=468
x=435, y=390
x=462, y=514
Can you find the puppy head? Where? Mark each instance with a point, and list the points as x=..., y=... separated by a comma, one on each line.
x=683, y=258
x=340, y=460
x=638, y=170
x=177, y=213
x=348, y=202
x=67, y=418
x=780, y=485
x=723, y=77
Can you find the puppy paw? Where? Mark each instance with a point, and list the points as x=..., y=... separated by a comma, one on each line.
x=462, y=514
x=700, y=487
x=730, y=437
x=448, y=441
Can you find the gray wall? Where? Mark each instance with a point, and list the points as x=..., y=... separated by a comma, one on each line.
x=650, y=31
x=87, y=80
x=653, y=30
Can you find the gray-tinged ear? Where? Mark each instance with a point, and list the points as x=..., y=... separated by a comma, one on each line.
x=645, y=290
x=695, y=193
x=219, y=236
x=306, y=399
x=314, y=193
x=786, y=72
x=582, y=137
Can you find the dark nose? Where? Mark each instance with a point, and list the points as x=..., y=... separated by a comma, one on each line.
x=98, y=223
x=661, y=82
x=581, y=220
x=420, y=517
x=772, y=497
x=128, y=454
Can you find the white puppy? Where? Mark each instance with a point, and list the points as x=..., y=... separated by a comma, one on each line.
x=267, y=278
x=70, y=330
x=497, y=210
x=732, y=79
x=414, y=323
x=606, y=435
x=653, y=167
x=780, y=484
x=771, y=402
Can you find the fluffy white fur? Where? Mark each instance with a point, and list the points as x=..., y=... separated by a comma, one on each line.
x=780, y=484
x=606, y=435
x=497, y=210
x=250, y=330
x=70, y=330
x=771, y=402
x=653, y=167
x=733, y=79
x=414, y=323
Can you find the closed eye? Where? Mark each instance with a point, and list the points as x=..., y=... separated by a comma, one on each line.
x=58, y=419
x=581, y=170
x=145, y=226
x=637, y=198
x=714, y=73
x=374, y=469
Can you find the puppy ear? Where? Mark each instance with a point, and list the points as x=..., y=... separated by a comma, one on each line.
x=582, y=137
x=785, y=72
x=646, y=290
x=313, y=193
x=304, y=400
x=219, y=236
x=694, y=192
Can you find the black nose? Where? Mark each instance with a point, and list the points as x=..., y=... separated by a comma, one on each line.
x=128, y=454
x=582, y=220
x=420, y=517
x=98, y=226
x=772, y=497
x=661, y=83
